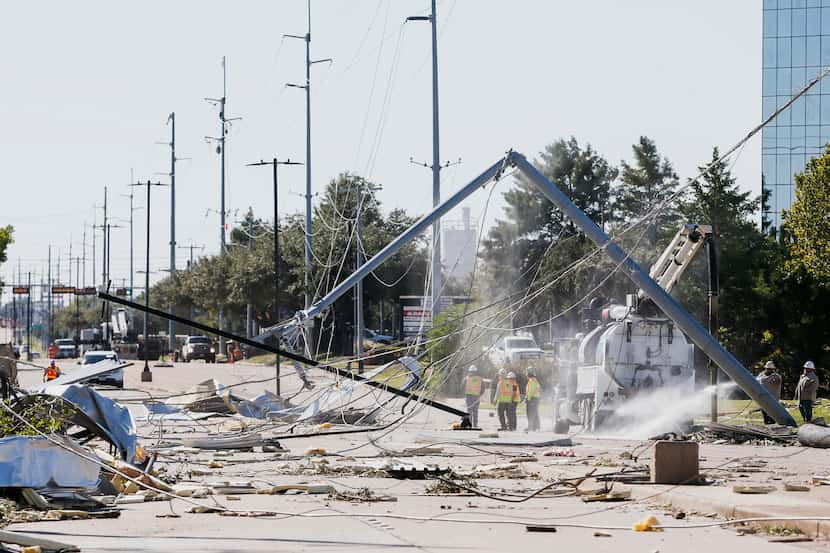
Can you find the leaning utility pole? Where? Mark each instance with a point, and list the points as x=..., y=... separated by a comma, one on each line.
x=436, y=166
x=307, y=86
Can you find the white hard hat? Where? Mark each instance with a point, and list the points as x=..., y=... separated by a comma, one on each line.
x=511, y=374
x=502, y=371
x=769, y=365
x=810, y=365
x=472, y=369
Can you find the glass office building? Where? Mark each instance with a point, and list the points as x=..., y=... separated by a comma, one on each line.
x=796, y=45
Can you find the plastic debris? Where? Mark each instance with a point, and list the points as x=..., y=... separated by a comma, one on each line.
x=647, y=525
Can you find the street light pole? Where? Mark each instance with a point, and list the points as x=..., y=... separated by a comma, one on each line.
x=274, y=163
x=146, y=374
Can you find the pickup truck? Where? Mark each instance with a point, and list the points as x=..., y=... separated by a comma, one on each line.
x=198, y=347
x=516, y=352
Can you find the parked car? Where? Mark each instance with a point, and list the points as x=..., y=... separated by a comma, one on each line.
x=198, y=347
x=66, y=348
x=373, y=336
x=113, y=378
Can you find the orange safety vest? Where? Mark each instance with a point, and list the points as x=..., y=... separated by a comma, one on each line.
x=506, y=391
x=533, y=390
x=515, y=392
x=52, y=372
x=473, y=385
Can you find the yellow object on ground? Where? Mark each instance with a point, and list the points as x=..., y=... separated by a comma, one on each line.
x=647, y=525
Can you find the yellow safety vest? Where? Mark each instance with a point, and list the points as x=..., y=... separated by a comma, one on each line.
x=533, y=389
x=473, y=385
x=506, y=391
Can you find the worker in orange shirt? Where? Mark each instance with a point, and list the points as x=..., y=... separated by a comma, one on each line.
x=51, y=372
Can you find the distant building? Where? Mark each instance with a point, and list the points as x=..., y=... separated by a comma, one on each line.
x=459, y=247
x=796, y=46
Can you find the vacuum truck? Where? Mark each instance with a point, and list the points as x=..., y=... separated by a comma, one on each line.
x=629, y=349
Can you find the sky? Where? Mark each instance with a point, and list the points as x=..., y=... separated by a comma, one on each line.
x=88, y=86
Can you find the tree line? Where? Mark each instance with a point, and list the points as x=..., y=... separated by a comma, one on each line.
x=774, y=282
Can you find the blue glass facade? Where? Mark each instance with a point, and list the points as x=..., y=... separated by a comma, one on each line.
x=796, y=45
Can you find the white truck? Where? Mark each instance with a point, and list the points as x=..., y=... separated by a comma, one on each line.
x=516, y=352
x=198, y=347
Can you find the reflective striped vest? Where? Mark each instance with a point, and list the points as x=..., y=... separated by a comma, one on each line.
x=505, y=392
x=473, y=385
x=533, y=389
x=52, y=372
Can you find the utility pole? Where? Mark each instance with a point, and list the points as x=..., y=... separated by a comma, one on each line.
x=436, y=165
x=132, y=211
x=307, y=86
x=49, y=278
x=146, y=374
x=191, y=247
x=94, y=226
x=275, y=163
x=358, y=297
x=171, y=326
x=104, y=229
x=220, y=149
x=83, y=247
x=29, y=320
x=249, y=308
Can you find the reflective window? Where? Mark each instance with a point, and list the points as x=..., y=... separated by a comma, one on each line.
x=799, y=51
x=825, y=109
x=813, y=21
x=799, y=3
x=813, y=3
x=770, y=4
x=770, y=20
x=783, y=47
x=825, y=16
x=797, y=112
x=814, y=50
x=768, y=84
x=769, y=52
x=799, y=26
x=783, y=81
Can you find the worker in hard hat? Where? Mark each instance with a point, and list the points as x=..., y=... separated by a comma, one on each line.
x=771, y=380
x=504, y=400
x=805, y=391
x=51, y=372
x=533, y=392
x=495, y=388
x=473, y=389
x=515, y=398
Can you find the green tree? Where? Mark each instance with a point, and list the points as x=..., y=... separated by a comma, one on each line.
x=644, y=185
x=6, y=238
x=744, y=256
x=535, y=241
x=808, y=223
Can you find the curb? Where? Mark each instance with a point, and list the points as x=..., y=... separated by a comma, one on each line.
x=678, y=499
